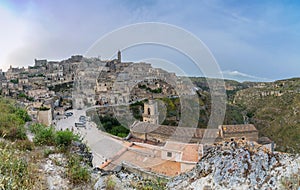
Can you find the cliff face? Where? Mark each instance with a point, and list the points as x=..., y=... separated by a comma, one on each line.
x=241, y=166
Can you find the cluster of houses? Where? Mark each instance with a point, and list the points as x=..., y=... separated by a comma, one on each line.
x=34, y=86
x=48, y=88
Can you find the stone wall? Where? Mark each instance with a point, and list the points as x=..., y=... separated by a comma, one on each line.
x=141, y=172
x=250, y=136
x=45, y=117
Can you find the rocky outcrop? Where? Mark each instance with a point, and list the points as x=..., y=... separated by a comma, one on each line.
x=82, y=150
x=241, y=166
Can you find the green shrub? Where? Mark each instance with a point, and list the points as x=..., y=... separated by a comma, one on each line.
x=112, y=126
x=44, y=135
x=12, y=120
x=76, y=172
x=65, y=138
x=110, y=183
x=153, y=184
x=42, y=108
x=22, y=114
x=47, y=152
x=36, y=127
x=24, y=145
x=15, y=81
x=14, y=133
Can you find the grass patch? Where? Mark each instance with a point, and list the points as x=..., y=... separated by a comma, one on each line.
x=77, y=172
x=12, y=120
x=110, y=183
x=15, y=171
x=154, y=184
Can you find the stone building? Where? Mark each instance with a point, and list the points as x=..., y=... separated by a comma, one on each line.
x=150, y=130
x=44, y=117
x=150, y=112
x=238, y=132
x=162, y=133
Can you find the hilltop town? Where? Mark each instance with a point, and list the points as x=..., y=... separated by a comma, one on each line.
x=160, y=141
x=49, y=88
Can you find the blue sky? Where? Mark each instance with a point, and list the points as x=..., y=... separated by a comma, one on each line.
x=251, y=40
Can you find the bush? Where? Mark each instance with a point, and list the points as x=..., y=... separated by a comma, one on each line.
x=14, y=133
x=24, y=145
x=42, y=108
x=48, y=136
x=65, y=138
x=35, y=128
x=22, y=114
x=15, y=81
x=12, y=120
x=47, y=152
x=152, y=184
x=76, y=172
x=112, y=126
x=44, y=136
x=110, y=183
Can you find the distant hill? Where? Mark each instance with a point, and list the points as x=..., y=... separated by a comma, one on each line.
x=274, y=108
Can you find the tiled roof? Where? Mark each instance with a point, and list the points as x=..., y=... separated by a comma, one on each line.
x=168, y=168
x=173, y=131
x=238, y=128
x=189, y=151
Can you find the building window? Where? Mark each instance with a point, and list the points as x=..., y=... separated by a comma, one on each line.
x=169, y=154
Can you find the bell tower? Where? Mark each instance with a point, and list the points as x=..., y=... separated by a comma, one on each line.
x=119, y=56
x=151, y=114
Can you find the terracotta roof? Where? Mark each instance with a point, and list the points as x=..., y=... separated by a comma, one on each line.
x=189, y=151
x=174, y=132
x=238, y=128
x=168, y=168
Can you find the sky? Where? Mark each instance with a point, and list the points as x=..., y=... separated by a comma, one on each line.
x=250, y=40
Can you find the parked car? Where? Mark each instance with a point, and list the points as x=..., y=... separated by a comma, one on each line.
x=80, y=125
x=82, y=119
x=68, y=114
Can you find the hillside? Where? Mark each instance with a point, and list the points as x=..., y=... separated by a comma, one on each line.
x=274, y=109
x=34, y=156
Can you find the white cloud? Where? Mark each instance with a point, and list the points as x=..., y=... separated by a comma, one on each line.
x=239, y=76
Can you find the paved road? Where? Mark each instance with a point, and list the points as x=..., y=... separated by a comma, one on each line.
x=102, y=145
